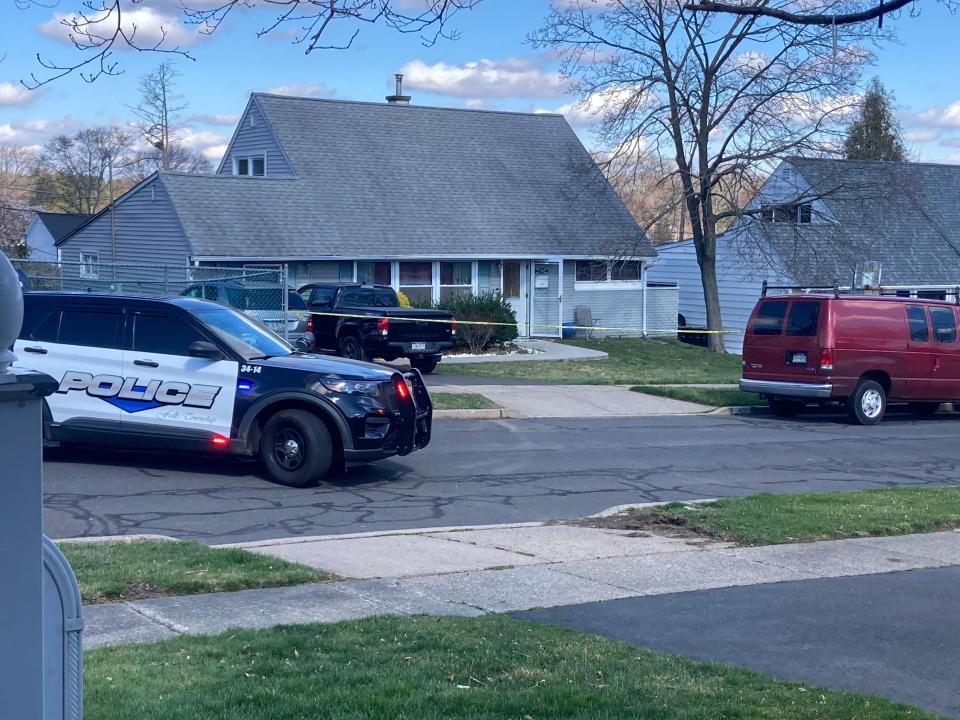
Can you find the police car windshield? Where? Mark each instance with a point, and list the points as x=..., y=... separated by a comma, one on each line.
x=244, y=336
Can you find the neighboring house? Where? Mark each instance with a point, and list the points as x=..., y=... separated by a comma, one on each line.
x=815, y=220
x=46, y=229
x=433, y=201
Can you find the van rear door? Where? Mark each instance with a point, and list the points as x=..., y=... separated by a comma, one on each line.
x=784, y=339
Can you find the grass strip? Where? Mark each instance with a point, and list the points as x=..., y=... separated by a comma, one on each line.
x=631, y=361
x=487, y=668
x=716, y=397
x=767, y=519
x=461, y=401
x=127, y=570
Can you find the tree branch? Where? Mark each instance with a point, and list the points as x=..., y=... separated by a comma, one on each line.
x=882, y=8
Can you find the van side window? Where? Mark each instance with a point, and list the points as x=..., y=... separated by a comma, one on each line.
x=917, y=320
x=803, y=317
x=944, y=324
x=769, y=320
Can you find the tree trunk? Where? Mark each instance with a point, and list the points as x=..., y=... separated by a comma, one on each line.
x=711, y=300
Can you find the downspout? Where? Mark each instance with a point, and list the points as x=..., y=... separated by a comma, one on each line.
x=643, y=278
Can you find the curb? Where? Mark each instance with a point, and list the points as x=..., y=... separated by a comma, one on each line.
x=106, y=539
x=474, y=414
x=741, y=410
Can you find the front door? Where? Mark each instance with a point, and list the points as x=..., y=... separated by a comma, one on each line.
x=514, y=284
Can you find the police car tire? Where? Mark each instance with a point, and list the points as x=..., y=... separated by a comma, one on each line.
x=315, y=448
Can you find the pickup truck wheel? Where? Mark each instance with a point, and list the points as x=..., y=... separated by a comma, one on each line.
x=786, y=408
x=350, y=347
x=423, y=365
x=868, y=403
x=296, y=448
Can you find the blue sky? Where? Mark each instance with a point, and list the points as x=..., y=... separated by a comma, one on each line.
x=491, y=65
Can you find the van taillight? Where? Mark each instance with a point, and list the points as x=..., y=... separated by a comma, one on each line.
x=826, y=359
x=383, y=326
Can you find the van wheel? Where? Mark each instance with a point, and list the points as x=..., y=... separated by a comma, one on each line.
x=296, y=448
x=786, y=408
x=924, y=409
x=868, y=403
x=350, y=347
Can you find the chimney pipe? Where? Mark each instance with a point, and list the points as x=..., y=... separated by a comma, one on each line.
x=399, y=98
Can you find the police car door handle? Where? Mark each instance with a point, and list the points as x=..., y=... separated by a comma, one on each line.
x=146, y=363
x=37, y=350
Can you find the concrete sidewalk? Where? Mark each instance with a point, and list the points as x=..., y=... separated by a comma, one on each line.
x=472, y=571
x=574, y=401
x=540, y=350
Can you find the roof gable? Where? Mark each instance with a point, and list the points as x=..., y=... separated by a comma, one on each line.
x=59, y=225
x=254, y=136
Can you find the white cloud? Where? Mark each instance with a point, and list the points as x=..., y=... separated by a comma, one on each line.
x=951, y=142
x=589, y=110
x=216, y=119
x=298, y=89
x=920, y=135
x=510, y=77
x=36, y=131
x=938, y=116
x=12, y=94
x=207, y=142
x=146, y=27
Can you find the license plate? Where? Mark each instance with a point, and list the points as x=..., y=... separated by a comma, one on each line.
x=418, y=346
x=798, y=358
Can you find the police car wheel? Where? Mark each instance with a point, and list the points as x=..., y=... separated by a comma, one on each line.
x=296, y=448
x=351, y=348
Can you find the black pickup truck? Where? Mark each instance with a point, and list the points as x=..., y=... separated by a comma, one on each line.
x=367, y=321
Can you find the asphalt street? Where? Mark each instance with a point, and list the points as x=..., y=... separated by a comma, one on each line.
x=895, y=635
x=485, y=472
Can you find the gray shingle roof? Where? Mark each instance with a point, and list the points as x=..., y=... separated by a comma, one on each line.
x=377, y=179
x=59, y=225
x=905, y=214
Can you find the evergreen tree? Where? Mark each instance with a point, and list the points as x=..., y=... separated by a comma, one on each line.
x=875, y=134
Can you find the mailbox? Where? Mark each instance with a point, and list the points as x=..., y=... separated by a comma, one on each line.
x=62, y=648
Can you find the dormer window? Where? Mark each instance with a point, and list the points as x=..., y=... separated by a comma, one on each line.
x=794, y=213
x=249, y=165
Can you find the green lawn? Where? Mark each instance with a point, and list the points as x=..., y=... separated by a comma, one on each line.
x=422, y=668
x=717, y=397
x=461, y=401
x=632, y=361
x=121, y=571
x=767, y=519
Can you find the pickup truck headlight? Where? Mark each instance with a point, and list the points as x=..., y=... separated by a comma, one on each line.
x=353, y=387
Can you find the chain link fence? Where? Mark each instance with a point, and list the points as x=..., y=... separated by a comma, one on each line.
x=262, y=291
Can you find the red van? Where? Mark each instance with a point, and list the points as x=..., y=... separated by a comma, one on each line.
x=861, y=350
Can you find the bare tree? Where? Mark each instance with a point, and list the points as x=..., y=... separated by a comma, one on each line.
x=860, y=13
x=75, y=170
x=16, y=165
x=97, y=28
x=720, y=98
x=14, y=218
x=158, y=116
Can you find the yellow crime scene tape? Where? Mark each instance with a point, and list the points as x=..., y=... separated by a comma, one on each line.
x=538, y=326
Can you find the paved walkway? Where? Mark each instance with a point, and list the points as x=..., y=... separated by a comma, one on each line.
x=473, y=571
x=574, y=401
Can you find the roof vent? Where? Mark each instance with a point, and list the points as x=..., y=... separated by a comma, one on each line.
x=399, y=98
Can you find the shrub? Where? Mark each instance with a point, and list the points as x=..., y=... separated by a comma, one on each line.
x=485, y=308
x=403, y=299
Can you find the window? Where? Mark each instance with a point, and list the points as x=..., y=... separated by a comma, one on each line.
x=385, y=297
x=944, y=324
x=89, y=265
x=164, y=335
x=917, y=321
x=251, y=165
x=40, y=323
x=612, y=271
x=322, y=296
x=242, y=334
x=456, y=278
x=416, y=282
x=769, y=320
x=802, y=320
x=373, y=273
x=90, y=329
x=932, y=294
x=787, y=213
x=511, y=280
x=356, y=298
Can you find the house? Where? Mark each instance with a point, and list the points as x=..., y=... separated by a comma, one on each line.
x=810, y=225
x=433, y=201
x=46, y=229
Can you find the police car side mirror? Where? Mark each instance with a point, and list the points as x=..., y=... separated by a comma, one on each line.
x=206, y=350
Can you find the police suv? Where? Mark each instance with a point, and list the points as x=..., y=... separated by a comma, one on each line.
x=198, y=376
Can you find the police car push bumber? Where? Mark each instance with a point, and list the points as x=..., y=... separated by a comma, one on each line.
x=198, y=376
